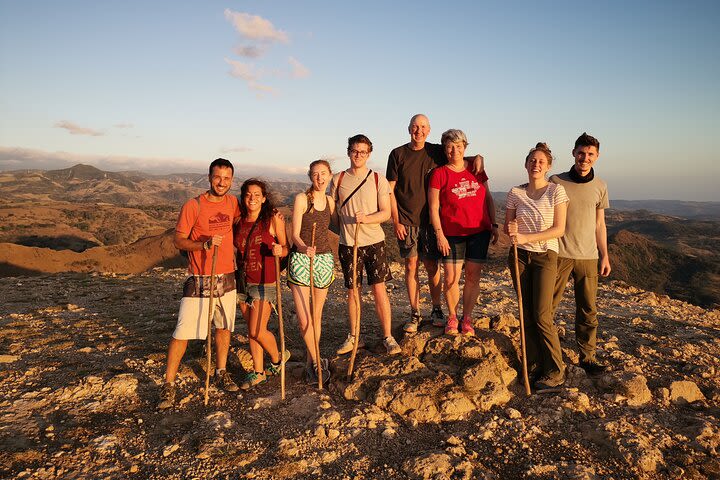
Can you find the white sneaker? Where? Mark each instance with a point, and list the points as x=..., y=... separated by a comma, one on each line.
x=391, y=346
x=347, y=346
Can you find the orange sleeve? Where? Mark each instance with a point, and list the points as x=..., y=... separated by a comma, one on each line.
x=188, y=216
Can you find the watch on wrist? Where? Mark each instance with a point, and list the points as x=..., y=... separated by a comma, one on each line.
x=206, y=245
x=495, y=225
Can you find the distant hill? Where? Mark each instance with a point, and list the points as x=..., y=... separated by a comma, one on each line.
x=678, y=208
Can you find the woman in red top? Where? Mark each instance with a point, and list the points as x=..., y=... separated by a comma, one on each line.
x=265, y=227
x=462, y=213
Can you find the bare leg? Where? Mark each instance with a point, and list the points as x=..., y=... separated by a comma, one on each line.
x=222, y=345
x=301, y=295
x=451, y=281
x=412, y=281
x=260, y=337
x=176, y=350
x=471, y=290
x=436, y=288
x=382, y=308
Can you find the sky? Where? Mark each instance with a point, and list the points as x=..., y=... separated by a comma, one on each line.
x=167, y=86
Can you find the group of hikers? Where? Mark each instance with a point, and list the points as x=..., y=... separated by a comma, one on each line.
x=442, y=211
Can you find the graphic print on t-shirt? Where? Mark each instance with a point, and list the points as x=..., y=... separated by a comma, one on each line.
x=466, y=188
x=220, y=221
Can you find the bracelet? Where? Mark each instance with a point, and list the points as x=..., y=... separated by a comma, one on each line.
x=495, y=225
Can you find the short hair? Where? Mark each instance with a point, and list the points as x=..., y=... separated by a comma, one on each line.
x=453, y=136
x=222, y=163
x=586, y=140
x=416, y=116
x=359, y=138
x=541, y=147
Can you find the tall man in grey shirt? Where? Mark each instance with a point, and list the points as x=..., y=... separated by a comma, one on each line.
x=584, y=241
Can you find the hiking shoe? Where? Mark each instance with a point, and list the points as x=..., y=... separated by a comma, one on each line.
x=437, y=317
x=550, y=380
x=274, y=368
x=593, y=367
x=466, y=328
x=167, y=396
x=347, y=346
x=224, y=381
x=451, y=327
x=391, y=346
x=252, y=379
x=412, y=325
x=311, y=372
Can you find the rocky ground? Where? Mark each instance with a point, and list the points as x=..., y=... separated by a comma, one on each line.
x=82, y=356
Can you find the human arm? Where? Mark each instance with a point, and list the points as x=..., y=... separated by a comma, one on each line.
x=299, y=209
x=183, y=242
x=434, y=207
x=400, y=230
x=601, y=238
x=475, y=164
x=490, y=206
x=280, y=247
x=557, y=229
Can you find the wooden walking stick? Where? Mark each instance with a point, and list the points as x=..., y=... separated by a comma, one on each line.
x=282, y=331
x=312, y=313
x=522, y=323
x=211, y=311
x=356, y=292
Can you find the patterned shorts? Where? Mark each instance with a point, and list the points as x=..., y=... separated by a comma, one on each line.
x=371, y=257
x=323, y=269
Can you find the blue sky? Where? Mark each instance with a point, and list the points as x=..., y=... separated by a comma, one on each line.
x=168, y=86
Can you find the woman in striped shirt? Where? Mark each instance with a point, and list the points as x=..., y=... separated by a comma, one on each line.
x=535, y=219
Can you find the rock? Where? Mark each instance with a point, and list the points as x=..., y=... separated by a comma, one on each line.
x=170, y=449
x=634, y=388
x=512, y=413
x=332, y=434
x=9, y=358
x=219, y=421
x=685, y=391
x=389, y=433
x=331, y=417
x=434, y=466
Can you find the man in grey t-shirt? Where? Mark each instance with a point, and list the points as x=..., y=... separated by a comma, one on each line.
x=584, y=240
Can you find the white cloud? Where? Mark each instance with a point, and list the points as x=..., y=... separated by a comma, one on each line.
x=248, y=73
x=298, y=69
x=74, y=129
x=255, y=27
x=251, y=51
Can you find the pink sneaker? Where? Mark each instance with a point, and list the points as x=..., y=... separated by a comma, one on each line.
x=451, y=327
x=466, y=328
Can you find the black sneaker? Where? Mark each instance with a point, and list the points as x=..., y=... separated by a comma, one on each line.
x=548, y=380
x=593, y=367
x=311, y=372
x=223, y=381
x=412, y=325
x=167, y=396
x=437, y=317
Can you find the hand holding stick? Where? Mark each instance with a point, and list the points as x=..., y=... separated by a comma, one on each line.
x=211, y=311
x=312, y=313
x=356, y=294
x=522, y=323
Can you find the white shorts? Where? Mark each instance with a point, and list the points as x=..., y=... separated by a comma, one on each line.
x=192, y=321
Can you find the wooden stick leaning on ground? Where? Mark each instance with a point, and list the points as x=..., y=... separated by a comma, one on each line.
x=356, y=294
x=526, y=380
x=282, y=330
x=316, y=340
x=211, y=311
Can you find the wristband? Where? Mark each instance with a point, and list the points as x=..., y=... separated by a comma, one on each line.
x=495, y=225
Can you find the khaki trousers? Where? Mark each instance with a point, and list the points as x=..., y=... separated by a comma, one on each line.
x=585, y=278
x=537, y=280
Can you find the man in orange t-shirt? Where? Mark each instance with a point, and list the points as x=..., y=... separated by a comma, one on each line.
x=206, y=222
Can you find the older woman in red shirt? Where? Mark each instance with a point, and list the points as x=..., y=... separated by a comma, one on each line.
x=462, y=213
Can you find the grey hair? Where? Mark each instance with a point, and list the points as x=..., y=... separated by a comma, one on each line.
x=453, y=136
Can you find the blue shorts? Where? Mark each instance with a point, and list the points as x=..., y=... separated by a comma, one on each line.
x=470, y=248
x=262, y=291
